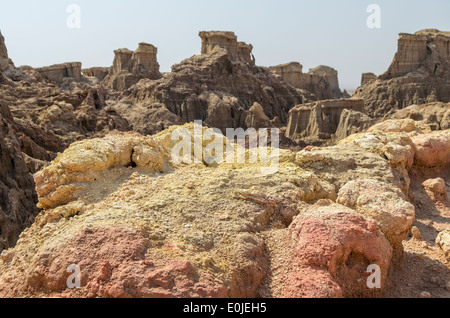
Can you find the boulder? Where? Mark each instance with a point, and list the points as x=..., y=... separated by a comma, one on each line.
x=330, y=249
x=443, y=241
x=436, y=188
x=384, y=204
x=432, y=149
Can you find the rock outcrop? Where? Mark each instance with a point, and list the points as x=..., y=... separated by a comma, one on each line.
x=385, y=204
x=218, y=87
x=425, y=49
x=3, y=49
x=98, y=72
x=125, y=197
x=72, y=114
x=256, y=117
x=321, y=81
x=60, y=72
x=227, y=40
x=5, y=61
x=433, y=116
x=419, y=74
x=368, y=78
x=24, y=149
x=128, y=214
x=331, y=76
x=321, y=120
x=131, y=66
x=327, y=251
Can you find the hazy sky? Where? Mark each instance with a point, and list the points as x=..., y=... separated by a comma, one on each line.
x=327, y=32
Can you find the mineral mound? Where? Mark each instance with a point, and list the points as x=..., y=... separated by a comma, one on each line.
x=139, y=224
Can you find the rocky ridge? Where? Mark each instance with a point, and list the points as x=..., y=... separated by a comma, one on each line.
x=219, y=87
x=419, y=74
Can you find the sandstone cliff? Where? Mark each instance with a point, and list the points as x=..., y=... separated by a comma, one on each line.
x=419, y=74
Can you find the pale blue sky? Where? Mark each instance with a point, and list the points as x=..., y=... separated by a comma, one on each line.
x=328, y=32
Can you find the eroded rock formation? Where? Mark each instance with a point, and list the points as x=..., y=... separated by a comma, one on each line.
x=320, y=220
x=71, y=114
x=227, y=40
x=5, y=61
x=146, y=214
x=140, y=224
x=323, y=119
x=368, y=78
x=218, y=87
x=131, y=66
x=433, y=116
x=321, y=81
x=24, y=149
x=130, y=211
x=3, y=50
x=98, y=72
x=419, y=74
x=58, y=72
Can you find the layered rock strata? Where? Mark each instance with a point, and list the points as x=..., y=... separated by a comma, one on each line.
x=321, y=81
x=419, y=74
x=58, y=72
x=324, y=119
